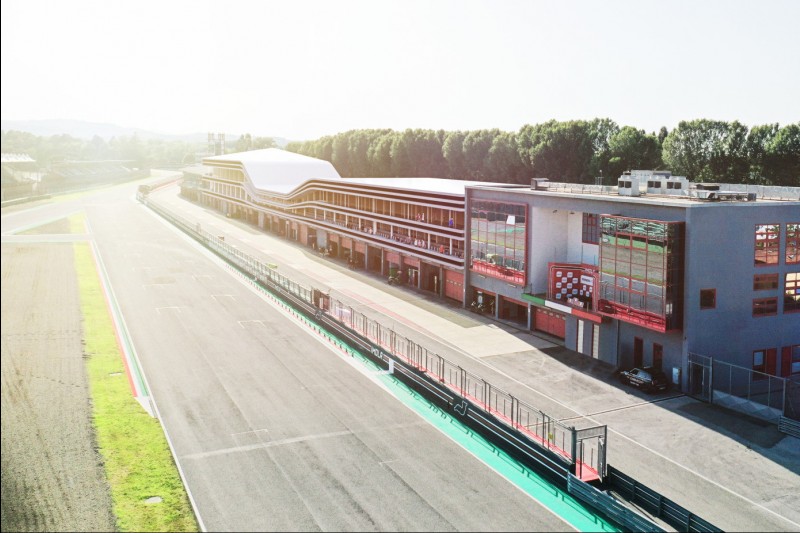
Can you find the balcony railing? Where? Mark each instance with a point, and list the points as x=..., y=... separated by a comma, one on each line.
x=498, y=271
x=403, y=239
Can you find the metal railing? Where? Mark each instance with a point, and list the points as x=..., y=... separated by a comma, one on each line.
x=656, y=504
x=740, y=388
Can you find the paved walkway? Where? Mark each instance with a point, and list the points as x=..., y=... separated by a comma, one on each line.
x=736, y=472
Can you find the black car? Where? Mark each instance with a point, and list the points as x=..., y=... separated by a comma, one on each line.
x=648, y=378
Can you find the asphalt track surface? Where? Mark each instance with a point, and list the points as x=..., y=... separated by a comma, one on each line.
x=738, y=473
x=273, y=429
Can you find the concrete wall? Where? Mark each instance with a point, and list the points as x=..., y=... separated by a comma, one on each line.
x=547, y=241
x=723, y=259
x=672, y=344
x=577, y=251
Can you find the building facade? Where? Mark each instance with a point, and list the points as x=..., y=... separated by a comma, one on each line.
x=412, y=229
x=644, y=279
x=647, y=272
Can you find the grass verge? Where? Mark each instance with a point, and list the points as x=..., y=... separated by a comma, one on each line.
x=138, y=462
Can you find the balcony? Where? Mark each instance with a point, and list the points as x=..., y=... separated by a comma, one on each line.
x=489, y=268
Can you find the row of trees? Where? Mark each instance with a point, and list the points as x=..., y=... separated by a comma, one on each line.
x=573, y=151
x=149, y=153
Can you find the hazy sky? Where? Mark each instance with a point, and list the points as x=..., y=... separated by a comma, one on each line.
x=303, y=69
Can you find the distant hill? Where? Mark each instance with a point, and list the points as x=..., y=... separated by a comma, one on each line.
x=86, y=130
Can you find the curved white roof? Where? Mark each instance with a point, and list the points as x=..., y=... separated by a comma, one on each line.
x=276, y=170
x=280, y=171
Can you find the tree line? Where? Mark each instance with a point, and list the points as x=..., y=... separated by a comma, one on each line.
x=144, y=153
x=571, y=151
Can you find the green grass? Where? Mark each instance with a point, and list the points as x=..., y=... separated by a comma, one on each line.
x=138, y=462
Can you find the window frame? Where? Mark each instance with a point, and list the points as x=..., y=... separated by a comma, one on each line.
x=795, y=286
x=499, y=254
x=765, y=282
x=791, y=254
x=714, y=302
x=762, y=367
x=590, y=232
x=771, y=247
x=794, y=359
x=773, y=300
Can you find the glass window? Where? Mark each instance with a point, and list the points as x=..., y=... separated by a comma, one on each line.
x=765, y=306
x=763, y=282
x=791, y=293
x=708, y=298
x=641, y=271
x=768, y=241
x=591, y=228
x=498, y=238
x=792, y=243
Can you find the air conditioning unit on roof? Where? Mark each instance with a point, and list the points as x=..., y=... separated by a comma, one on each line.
x=628, y=186
x=677, y=186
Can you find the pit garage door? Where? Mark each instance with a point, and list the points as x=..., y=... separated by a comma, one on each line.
x=550, y=322
x=454, y=285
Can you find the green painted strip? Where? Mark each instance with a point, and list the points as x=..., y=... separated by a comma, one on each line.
x=534, y=299
x=529, y=481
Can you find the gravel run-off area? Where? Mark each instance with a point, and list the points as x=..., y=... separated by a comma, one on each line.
x=52, y=473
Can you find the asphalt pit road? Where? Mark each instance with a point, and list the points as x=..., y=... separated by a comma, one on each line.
x=154, y=499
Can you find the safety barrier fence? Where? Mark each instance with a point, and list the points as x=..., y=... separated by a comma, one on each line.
x=743, y=389
x=539, y=441
x=789, y=426
x=611, y=506
x=656, y=504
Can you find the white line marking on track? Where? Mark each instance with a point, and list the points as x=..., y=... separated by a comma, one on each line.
x=243, y=322
x=158, y=309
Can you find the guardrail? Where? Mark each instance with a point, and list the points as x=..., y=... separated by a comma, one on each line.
x=656, y=504
x=622, y=515
x=789, y=426
x=497, y=415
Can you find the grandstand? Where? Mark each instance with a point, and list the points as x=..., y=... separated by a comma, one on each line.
x=20, y=176
x=70, y=175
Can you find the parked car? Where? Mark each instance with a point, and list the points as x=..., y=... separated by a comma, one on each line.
x=649, y=379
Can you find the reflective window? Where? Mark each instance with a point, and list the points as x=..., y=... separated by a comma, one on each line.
x=791, y=293
x=591, y=228
x=768, y=242
x=641, y=271
x=763, y=282
x=765, y=306
x=498, y=234
x=792, y=243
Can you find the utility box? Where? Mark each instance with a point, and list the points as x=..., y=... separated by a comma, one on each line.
x=676, y=375
x=628, y=186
